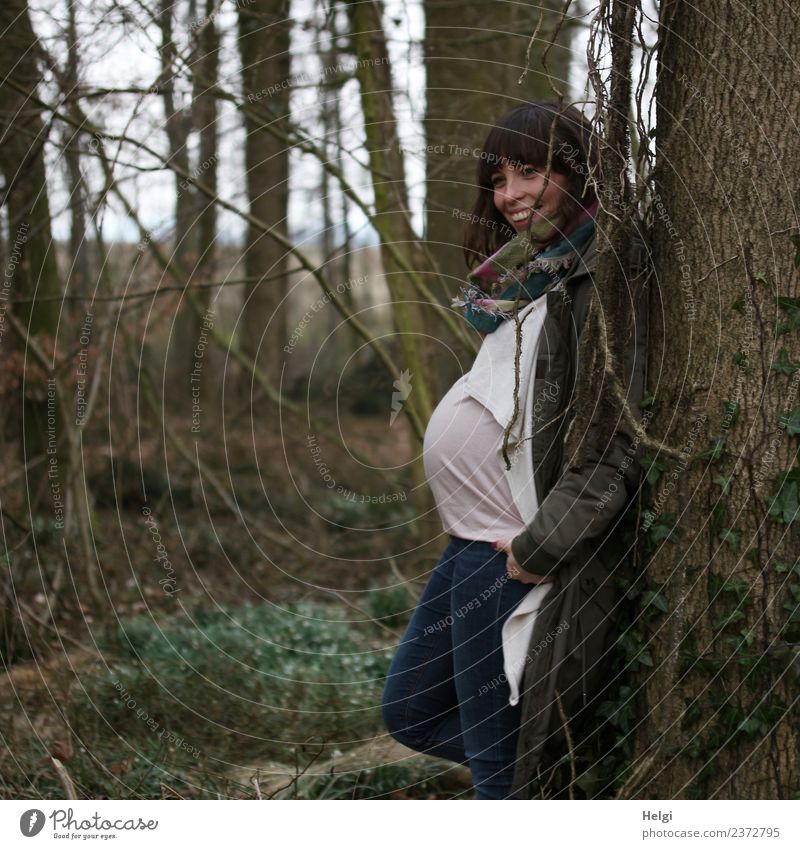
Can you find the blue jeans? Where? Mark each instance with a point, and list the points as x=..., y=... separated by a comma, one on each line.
x=445, y=692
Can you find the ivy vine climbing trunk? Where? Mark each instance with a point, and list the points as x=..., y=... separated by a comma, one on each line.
x=719, y=717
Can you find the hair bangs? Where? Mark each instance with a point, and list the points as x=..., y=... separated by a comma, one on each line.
x=521, y=140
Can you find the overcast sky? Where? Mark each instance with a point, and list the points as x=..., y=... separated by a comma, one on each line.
x=115, y=55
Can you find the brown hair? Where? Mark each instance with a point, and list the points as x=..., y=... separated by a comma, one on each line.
x=521, y=137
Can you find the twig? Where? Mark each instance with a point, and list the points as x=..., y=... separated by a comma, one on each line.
x=719, y=265
x=174, y=793
x=396, y=634
x=63, y=776
x=398, y=574
x=635, y=776
x=570, y=746
x=147, y=293
x=20, y=472
x=298, y=773
x=62, y=635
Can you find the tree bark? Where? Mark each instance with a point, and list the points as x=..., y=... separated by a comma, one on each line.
x=264, y=40
x=721, y=717
x=196, y=215
x=416, y=327
x=31, y=269
x=79, y=253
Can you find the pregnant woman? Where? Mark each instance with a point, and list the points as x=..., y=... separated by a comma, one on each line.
x=523, y=528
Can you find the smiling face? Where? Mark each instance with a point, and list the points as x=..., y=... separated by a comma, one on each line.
x=519, y=198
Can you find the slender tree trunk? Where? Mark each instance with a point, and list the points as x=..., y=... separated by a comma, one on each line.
x=389, y=185
x=178, y=125
x=79, y=252
x=205, y=115
x=721, y=712
x=336, y=237
x=264, y=40
x=191, y=327
x=415, y=325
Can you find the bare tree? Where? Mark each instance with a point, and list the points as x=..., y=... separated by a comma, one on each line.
x=264, y=40
x=34, y=272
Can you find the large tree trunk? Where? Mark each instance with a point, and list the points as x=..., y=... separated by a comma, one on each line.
x=264, y=40
x=31, y=269
x=721, y=716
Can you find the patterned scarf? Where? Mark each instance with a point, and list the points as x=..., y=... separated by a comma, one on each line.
x=519, y=273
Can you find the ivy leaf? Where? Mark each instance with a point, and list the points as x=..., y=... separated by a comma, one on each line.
x=794, y=611
x=730, y=413
x=791, y=306
x=665, y=529
x=790, y=421
x=714, y=583
x=719, y=513
x=729, y=619
x=739, y=588
x=781, y=567
x=724, y=481
x=785, y=504
x=655, y=466
x=715, y=449
x=648, y=400
x=794, y=238
x=750, y=725
x=733, y=538
x=783, y=364
x=655, y=598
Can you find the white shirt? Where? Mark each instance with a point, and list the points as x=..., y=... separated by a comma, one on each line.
x=467, y=480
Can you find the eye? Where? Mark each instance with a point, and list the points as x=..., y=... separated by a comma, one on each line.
x=529, y=171
x=497, y=180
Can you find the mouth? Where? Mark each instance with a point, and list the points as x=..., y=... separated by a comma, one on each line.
x=521, y=216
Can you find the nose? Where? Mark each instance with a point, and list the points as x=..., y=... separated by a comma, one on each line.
x=515, y=187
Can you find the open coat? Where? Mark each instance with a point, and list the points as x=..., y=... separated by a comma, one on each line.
x=579, y=508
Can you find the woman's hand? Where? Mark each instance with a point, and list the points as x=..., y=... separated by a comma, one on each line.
x=514, y=570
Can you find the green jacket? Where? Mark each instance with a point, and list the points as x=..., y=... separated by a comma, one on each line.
x=570, y=533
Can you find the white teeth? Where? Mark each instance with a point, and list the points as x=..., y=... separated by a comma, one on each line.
x=520, y=216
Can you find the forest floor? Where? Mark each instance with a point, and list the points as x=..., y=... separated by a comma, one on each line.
x=253, y=666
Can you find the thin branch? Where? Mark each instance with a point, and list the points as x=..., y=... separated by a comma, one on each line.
x=148, y=293
x=306, y=264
